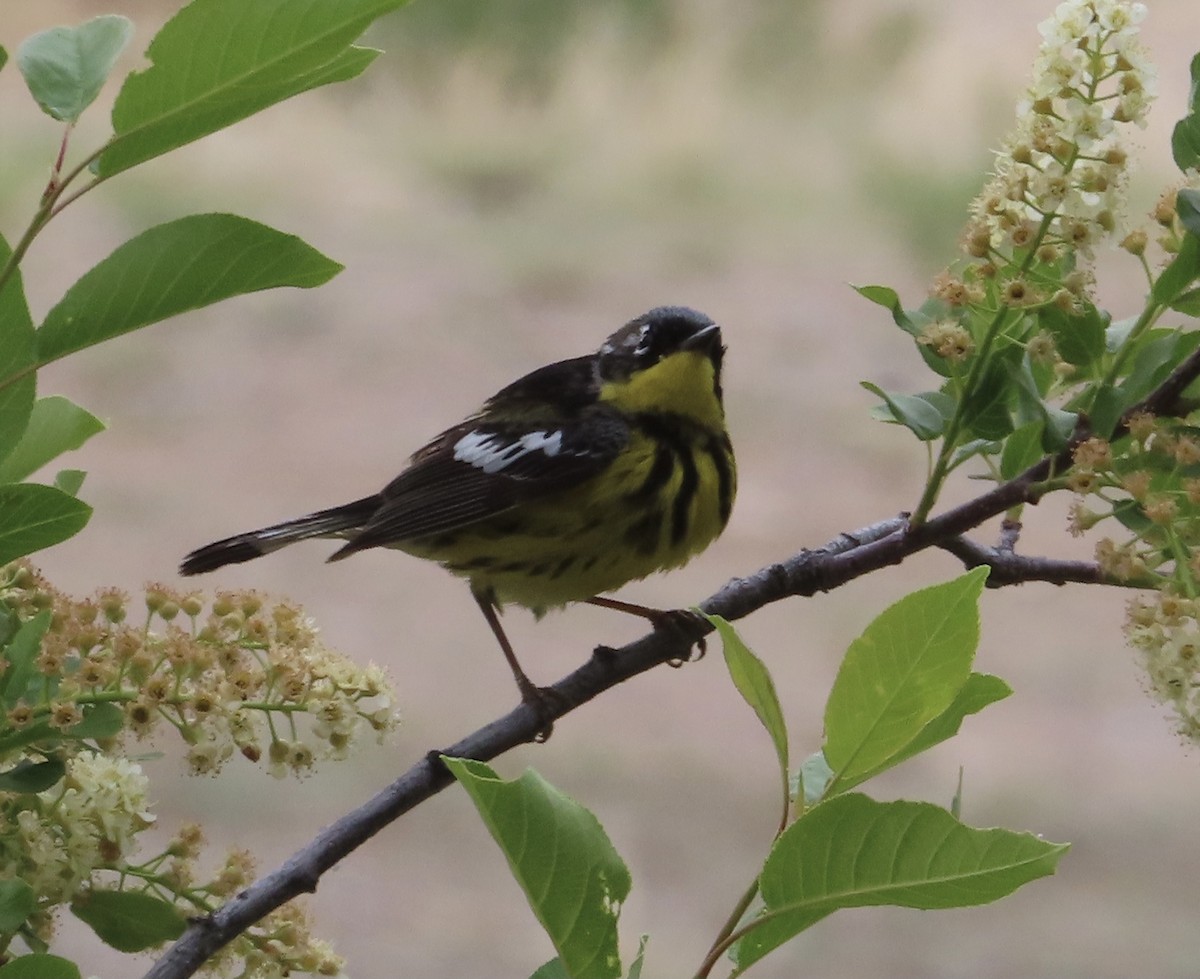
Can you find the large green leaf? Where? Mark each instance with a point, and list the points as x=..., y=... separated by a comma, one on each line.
x=18, y=381
x=129, y=921
x=65, y=67
x=33, y=517
x=218, y=61
x=855, y=852
x=55, y=426
x=754, y=683
x=174, y=267
x=905, y=670
x=39, y=966
x=560, y=855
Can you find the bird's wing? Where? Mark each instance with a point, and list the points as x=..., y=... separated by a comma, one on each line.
x=486, y=466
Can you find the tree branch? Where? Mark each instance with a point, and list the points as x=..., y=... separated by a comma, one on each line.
x=848, y=556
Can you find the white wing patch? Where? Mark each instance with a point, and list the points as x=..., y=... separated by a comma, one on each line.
x=487, y=451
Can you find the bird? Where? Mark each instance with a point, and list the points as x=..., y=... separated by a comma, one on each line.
x=572, y=481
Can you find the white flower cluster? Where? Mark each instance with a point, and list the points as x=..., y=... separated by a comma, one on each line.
x=86, y=821
x=1060, y=175
x=1166, y=630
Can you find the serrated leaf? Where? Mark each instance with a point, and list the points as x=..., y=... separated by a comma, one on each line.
x=906, y=669
x=33, y=517
x=39, y=965
x=913, y=412
x=56, y=425
x=18, y=380
x=174, y=267
x=219, y=61
x=17, y=902
x=65, y=67
x=852, y=851
x=754, y=683
x=560, y=855
x=20, y=653
x=30, y=777
x=129, y=921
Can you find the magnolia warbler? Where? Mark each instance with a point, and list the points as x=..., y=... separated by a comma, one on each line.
x=579, y=477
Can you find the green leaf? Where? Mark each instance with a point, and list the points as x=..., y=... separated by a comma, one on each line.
x=906, y=669
x=1079, y=339
x=17, y=902
x=30, y=777
x=39, y=966
x=3, y=57
x=18, y=381
x=1158, y=353
x=20, y=654
x=1107, y=409
x=635, y=967
x=102, y=720
x=55, y=426
x=65, y=67
x=980, y=691
x=218, y=61
x=69, y=480
x=1182, y=271
x=985, y=408
x=855, y=852
x=33, y=517
x=174, y=267
x=1187, y=206
x=754, y=683
x=129, y=921
x=1185, y=139
x=554, y=969
x=560, y=855
x=1021, y=450
x=912, y=411
x=890, y=300
x=1187, y=303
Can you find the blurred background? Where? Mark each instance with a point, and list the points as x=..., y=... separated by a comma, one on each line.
x=509, y=183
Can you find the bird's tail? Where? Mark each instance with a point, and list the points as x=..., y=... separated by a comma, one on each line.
x=245, y=547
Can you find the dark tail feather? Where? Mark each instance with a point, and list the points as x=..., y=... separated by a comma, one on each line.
x=256, y=543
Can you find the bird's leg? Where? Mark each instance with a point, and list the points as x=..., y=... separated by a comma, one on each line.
x=683, y=622
x=539, y=698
